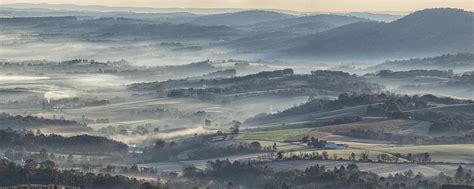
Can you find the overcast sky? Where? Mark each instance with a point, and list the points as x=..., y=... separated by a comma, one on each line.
x=297, y=5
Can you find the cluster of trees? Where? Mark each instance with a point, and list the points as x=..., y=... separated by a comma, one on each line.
x=467, y=138
x=382, y=104
x=394, y=106
x=319, y=105
x=386, y=158
x=445, y=100
x=69, y=66
x=19, y=153
x=227, y=174
x=389, y=109
x=410, y=157
x=420, y=158
x=45, y=173
x=387, y=105
x=238, y=84
x=220, y=74
x=306, y=156
x=468, y=77
x=84, y=144
x=170, y=84
x=162, y=150
x=324, y=155
x=448, y=121
x=269, y=82
x=415, y=73
x=464, y=138
x=72, y=102
x=128, y=170
x=314, y=142
x=18, y=121
x=464, y=81
x=122, y=67
x=212, y=151
x=125, y=130
x=463, y=177
x=365, y=134
x=447, y=61
x=362, y=157
x=200, y=147
x=254, y=175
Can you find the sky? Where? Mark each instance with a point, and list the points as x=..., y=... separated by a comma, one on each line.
x=295, y=5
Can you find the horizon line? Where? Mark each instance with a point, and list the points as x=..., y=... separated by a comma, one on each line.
x=150, y=8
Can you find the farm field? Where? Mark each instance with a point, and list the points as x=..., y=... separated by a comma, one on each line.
x=395, y=126
x=456, y=153
x=224, y=94
x=274, y=135
x=440, y=153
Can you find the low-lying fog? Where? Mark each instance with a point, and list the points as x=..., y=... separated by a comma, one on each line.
x=139, y=53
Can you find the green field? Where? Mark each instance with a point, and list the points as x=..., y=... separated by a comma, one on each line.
x=439, y=153
x=276, y=135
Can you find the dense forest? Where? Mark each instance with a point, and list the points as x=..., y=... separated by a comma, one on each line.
x=256, y=175
x=415, y=73
x=230, y=98
x=457, y=61
x=82, y=144
x=280, y=82
x=46, y=173
x=380, y=104
x=20, y=122
x=201, y=147
x=227, y=174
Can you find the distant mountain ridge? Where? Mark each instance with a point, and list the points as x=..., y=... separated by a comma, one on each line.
x=121, y=28
x=240, y=18
x=269, y=34
x=430, y=31
x=288, y=29
x=307, y=24
x=110, y=8
x=376, y=16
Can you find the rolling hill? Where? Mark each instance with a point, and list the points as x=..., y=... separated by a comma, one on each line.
x=109, y=27
x=380, y=17
x=459, y=61
x=240, y=18
x=425, y=32
x=306, y=24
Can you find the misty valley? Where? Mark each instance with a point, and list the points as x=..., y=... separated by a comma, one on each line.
x=235, y=99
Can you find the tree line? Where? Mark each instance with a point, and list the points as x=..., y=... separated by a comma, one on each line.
x=83, y=144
